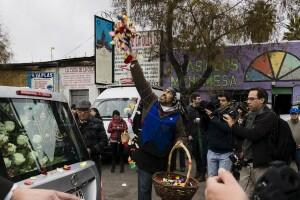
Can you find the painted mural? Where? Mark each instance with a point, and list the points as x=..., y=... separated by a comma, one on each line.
x=274, y=66
x=242, y=67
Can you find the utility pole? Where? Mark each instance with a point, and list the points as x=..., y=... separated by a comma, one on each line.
x=51, y=52
x=128, y=8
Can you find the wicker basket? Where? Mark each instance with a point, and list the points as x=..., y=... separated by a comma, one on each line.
x=185, y=192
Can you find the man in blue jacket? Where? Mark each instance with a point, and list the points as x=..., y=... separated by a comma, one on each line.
x=162, y=125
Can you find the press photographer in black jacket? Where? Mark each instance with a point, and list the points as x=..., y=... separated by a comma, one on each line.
x=258, y=128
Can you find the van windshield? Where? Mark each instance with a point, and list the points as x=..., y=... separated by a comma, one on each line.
x=36, y=136
x=124, y=105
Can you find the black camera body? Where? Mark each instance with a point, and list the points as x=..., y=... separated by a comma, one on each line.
x=237, y=165
x=232, y=109
x=280, y=182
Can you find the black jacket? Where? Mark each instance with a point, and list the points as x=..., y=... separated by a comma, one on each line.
x=5, y=187
x=94, y=135
x=259, y=135
x=219, y=136
x=193, y=127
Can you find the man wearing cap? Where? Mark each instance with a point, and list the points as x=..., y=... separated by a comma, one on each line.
x=295, y=128
x=162, y=125
x=92, y=131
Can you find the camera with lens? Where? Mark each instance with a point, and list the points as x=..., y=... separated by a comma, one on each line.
x=279, y=182
x=237, y=165
x=232, y=109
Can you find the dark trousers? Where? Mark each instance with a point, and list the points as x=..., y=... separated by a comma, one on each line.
x=118, y=152
x=144, y=185
x=297, y=159
x=199, y=152
x=181, y=159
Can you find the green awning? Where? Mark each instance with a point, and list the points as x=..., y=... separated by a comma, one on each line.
x=282, y=90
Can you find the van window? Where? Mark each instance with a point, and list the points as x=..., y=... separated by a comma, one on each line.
x=37, y=136
x=124, y=105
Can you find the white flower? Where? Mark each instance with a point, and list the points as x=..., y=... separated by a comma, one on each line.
x=44, y=160
x=11, y=148
x=9, y=126
x=22, y=140
x=3, y=139
x=7, y=162
x=36, y=139
x=18, y=158
x=32, y=156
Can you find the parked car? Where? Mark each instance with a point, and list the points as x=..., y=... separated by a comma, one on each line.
x=41, y=145
x=126, y=100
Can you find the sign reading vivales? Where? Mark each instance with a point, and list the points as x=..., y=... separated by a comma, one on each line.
x=145, y=45
x=42, y=80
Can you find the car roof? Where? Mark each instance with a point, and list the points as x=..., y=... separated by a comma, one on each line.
x=24, y=92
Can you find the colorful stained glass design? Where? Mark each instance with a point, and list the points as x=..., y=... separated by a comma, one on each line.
x=274, y=65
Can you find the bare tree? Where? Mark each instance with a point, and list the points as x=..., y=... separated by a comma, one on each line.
x=5, y=54
x=200, y=28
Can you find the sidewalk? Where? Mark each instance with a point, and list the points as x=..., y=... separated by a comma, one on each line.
x=113, y=189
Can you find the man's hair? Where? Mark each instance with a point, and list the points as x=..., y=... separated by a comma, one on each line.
x=194, y=96
x=73, y=106
x=226, y=95
x=261, y=93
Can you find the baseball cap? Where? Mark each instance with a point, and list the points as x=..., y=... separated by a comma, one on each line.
x=294, y=110
x=83, y=104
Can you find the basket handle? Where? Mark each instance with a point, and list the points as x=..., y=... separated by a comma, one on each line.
x=179, y=144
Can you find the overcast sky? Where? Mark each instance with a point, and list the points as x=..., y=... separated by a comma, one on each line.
x=34, y=26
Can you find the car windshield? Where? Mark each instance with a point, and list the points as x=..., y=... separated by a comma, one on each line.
x=124, y=105
x=36, y=136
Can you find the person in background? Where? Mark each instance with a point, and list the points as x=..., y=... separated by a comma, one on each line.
x=195, y=136
x=10, y=191
x=116, y=127
x=295, y=128
x=95, y=113
x=220, y=142
x=74, y=111
x=92, y=131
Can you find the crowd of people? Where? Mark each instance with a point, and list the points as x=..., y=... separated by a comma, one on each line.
x=213, y=133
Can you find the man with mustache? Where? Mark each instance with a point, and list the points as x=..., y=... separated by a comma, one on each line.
x=162, y=126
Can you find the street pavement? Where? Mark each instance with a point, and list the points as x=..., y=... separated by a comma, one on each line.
x=124, y=185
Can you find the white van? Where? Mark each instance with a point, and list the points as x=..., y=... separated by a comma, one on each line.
x=41, y=146
x=125, y=99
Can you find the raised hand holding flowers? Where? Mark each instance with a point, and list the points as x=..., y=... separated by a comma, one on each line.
x=123, y=34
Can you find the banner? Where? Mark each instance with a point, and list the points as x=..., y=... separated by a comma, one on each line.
x=42, y=80
x=104, y=51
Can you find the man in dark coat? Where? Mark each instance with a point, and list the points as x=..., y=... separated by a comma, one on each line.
x=93, y=132
x=259, y=126
x=197, y=138
x=162, y=126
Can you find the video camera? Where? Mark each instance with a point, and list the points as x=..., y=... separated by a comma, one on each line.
x=232, y=109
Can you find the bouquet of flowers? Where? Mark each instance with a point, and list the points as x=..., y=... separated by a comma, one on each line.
x=123, y=34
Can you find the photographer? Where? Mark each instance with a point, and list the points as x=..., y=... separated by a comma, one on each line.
x=196, y=136
x=219, y=138
x=257, y=131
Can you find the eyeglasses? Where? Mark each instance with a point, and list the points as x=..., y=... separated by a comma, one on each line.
x=251, y=98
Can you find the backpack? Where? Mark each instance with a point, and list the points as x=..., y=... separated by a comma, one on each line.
x=283, y=144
